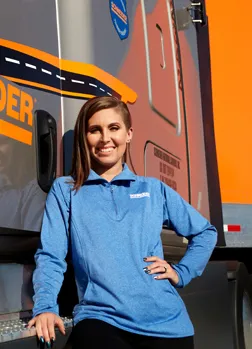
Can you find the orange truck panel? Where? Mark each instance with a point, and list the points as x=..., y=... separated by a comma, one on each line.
x=230, y=35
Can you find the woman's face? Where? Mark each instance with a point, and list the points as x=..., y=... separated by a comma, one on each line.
x=107, y=137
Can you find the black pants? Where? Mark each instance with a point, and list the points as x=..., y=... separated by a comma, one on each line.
x=96, y=334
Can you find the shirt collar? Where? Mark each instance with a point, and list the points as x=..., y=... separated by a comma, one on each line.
x=125, y=175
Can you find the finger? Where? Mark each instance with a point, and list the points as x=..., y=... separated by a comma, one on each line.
x=161, y=276
x=171, y=275
x=157, y=264
x=51, y=329
x=44, y=327
x=159, y=269
x=152, y=259
x=151, y=266
x=39, y=331
x=31, y=323
x=60, y=324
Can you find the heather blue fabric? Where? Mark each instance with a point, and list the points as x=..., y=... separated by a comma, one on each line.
x=113, y=226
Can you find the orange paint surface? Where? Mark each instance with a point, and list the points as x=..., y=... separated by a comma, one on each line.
x=15, y=132
x=231, y=57
x=16, y=104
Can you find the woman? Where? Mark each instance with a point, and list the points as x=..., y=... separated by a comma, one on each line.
x=127, y=291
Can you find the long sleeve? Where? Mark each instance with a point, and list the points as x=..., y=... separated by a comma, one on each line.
x=50, y=256
x=188, y=222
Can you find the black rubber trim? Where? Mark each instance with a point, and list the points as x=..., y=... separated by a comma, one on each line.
x=215, y=205
x=239, y=284
x=46, y=148
x=17, y=232
x=181, y=86
x=156, y=145
x=241, y=254
x=18, y=246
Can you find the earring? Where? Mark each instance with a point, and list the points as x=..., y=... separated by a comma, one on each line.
x=128, y=141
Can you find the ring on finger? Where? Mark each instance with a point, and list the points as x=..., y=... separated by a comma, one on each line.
x=165, y=269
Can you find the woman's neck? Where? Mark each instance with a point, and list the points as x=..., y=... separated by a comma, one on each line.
x=108, y=173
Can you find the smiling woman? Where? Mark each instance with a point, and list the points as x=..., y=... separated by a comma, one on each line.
x=107, y=137
x=127, y=291
x=102, y=131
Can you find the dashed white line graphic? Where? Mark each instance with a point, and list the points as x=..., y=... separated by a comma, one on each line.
x=46, y=71
x=10, y=60
x=60, y=77
x=78, y=82
x=30, y=66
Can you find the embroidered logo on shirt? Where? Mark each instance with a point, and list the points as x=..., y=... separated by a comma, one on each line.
x=140, y=195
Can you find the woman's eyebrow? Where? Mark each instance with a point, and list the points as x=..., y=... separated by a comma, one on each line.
x=111, y=124
x=89, y=126
x=114, y=123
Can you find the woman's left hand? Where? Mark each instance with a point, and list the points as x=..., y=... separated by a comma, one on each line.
x=162, y=268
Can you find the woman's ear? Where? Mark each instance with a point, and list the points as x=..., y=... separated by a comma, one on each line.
x=129, y=135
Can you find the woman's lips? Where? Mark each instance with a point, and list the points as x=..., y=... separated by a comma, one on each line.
x=106, y=150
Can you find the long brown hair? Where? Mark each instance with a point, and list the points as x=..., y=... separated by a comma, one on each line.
x=81, y=162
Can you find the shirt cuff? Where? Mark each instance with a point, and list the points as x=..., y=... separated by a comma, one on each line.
x=180, y=283
x=54, y=310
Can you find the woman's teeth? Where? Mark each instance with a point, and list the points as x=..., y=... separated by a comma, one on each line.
x=106, y=150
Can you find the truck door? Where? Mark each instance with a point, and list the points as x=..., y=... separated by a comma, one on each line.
x=29, y=92
x=27, y=67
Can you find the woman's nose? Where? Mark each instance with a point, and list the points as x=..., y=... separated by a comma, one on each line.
x=105, y=136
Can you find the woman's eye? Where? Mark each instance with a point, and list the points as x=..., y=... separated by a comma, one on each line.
x=94, y=130
x=114, y=128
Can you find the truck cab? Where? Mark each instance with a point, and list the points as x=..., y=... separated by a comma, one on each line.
x=153, y=55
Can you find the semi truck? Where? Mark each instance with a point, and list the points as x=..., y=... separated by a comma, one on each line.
x=155, y=56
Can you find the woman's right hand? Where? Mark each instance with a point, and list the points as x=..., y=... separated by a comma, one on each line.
x=45, y=326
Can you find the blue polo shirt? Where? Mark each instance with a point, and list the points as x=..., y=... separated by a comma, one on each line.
x=113, y=226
